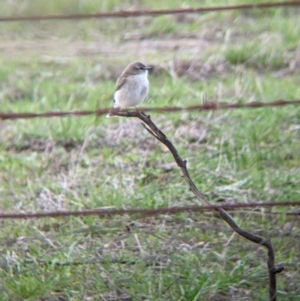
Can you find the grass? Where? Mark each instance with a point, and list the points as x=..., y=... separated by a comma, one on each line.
x=238, y=156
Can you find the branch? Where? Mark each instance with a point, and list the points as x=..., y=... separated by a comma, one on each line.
x=159, y=135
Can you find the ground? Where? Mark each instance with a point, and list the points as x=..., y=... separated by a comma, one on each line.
x=77, y=163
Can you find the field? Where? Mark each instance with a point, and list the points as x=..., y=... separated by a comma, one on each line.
x=80, y=163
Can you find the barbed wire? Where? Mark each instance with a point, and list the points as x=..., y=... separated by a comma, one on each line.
x=146, y=212
x=138, y=13
x=207, y=106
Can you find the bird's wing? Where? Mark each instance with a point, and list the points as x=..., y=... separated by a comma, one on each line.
x=120, y=82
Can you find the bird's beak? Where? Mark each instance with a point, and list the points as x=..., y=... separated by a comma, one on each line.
x=148, y=68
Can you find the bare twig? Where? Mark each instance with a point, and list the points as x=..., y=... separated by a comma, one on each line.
x=158, y=134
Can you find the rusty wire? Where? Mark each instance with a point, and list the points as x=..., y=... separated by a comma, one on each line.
x=144, y=212
x=138, y=13
x=207, y=106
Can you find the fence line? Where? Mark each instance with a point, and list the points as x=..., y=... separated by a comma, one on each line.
x=207, y=106
x=138, y=13
x=147, y=212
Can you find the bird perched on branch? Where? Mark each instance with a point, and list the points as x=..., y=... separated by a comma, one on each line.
x=132, y=87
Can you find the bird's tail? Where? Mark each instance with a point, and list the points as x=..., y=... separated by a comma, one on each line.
x=113, y=112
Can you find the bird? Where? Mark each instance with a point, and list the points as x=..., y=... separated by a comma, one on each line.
x=131, y=88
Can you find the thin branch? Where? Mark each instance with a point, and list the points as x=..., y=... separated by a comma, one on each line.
x=149, y=131
x=158, y=134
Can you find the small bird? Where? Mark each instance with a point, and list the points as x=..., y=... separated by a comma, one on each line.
x=132, y=87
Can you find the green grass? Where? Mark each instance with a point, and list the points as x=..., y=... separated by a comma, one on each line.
x=237, y=156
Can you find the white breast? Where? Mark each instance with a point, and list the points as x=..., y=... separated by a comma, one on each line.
x=133, y=92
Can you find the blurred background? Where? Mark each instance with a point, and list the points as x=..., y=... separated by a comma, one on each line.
x=79, y=163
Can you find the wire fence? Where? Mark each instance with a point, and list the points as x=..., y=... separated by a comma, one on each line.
x=147, y=212
x=138, y=13
x=208, y=106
